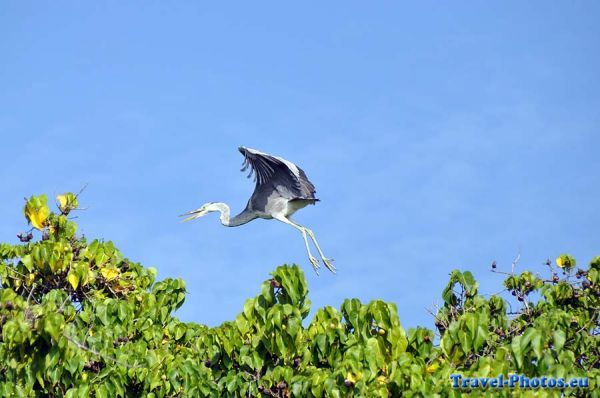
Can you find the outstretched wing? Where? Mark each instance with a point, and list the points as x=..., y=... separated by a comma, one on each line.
x=278, y=172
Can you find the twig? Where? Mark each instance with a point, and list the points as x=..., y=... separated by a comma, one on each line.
x=62, y=306
x=103, y=356
x=31, y=293
x=82, y=189
x=16, y=272
x=495, y=294
x=515, y=261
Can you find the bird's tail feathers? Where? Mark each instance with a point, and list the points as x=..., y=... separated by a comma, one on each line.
x=311, y=201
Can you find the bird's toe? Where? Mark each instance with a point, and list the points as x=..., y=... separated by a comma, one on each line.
x=329, y=265
x=315, y=264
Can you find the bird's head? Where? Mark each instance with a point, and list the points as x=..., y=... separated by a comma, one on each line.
x=199, y=212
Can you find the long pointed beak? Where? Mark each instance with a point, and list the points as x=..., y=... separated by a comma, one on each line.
x=191, y=215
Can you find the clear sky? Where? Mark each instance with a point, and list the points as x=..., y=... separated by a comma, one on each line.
x=439, y=135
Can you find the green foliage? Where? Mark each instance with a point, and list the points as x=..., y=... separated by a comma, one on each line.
x=78, y=319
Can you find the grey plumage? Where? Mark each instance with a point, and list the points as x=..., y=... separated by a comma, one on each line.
x=277, y=172
x=282, y=188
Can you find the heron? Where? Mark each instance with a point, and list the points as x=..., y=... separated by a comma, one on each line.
x=282, y=188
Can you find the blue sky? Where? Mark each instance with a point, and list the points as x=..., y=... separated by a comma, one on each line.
x=438, y=136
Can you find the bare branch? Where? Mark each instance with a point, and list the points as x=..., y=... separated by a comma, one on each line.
x=103, y=356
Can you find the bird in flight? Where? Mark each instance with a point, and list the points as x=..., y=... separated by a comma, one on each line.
x=282, y=188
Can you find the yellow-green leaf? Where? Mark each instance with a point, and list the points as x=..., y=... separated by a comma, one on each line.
x=432, y=368
x=109, y=273
x=30, y=278
x=73, y=279
x=353, y=377
x=66, y=202
x=37, y=212
x=40, y=379
x=565, y=261
x=62, y=201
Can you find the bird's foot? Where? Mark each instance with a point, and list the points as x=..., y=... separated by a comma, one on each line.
x=327, y=262
x=315, y=264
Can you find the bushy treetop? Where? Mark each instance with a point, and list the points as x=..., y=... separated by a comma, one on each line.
x=79, y=319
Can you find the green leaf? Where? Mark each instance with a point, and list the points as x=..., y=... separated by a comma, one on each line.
x=559, y=337
x=53, y=325
x=122, y=310
x=180, y=330
x=28, y=262
x=537, y=343
x=517, y=350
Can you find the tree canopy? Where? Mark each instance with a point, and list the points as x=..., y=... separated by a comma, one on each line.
x=79, y=319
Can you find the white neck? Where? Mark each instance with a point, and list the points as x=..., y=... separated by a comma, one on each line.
x=242, y=218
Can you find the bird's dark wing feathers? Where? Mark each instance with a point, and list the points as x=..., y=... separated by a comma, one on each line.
x=271, y=170
x=307, y=187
